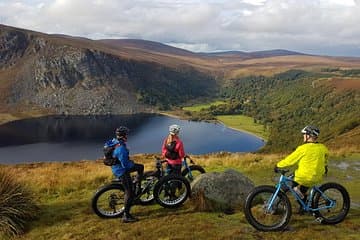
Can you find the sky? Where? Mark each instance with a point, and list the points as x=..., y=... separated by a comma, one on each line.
x=324, y=27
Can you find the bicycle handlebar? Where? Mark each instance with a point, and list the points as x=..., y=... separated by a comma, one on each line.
x=191, y=161
x=185, y=157
x=281, y=171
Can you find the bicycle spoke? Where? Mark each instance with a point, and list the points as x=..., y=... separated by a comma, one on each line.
x=334, y=195
x=265, y=214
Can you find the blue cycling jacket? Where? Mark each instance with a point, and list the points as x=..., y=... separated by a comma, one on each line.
x=122, y=153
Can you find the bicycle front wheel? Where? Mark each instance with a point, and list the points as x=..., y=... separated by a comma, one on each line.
x=171, y=191
x=108, y=201
x=334, y=192
x=263, y=216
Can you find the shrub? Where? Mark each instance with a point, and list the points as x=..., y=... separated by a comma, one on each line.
x=16, y=205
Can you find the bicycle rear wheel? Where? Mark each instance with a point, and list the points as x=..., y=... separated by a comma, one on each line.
x=108, y=201
x=171, y=191
x=338, y=212
x=264, y=217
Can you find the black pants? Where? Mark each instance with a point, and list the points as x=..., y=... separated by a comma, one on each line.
x=303, y=190
x=174, y=169
x=128, y=191
x=139, y=168
x=128, y=186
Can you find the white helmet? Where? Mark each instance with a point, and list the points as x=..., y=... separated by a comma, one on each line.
x=174, y=129
x=311, y=130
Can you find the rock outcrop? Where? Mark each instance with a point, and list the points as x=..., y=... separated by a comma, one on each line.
x=81, y=76
x=224, y=191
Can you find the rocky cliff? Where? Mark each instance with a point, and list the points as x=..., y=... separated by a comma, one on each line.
x=80, y=76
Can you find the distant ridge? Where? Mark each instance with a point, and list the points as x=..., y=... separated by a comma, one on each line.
x=163, y=48
x=256, y=54
x=146, y=45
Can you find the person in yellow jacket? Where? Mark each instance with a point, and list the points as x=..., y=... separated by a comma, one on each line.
x=311, y=158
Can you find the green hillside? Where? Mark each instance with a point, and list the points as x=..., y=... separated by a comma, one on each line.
x=286, y=102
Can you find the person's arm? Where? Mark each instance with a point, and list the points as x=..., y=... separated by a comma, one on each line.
x=180, y=148
x=163, y=149
x=123, y=156
x=291, y=159
x=326, y=160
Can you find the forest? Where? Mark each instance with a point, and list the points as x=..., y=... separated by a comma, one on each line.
x=286, y=102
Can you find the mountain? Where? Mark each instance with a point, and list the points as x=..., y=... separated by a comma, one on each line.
x=288, y=101
x=281, y=89
x=146, y=46
x=256, y=54
x=60, y=73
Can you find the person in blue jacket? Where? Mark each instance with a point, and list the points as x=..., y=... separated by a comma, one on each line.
x=123, y=169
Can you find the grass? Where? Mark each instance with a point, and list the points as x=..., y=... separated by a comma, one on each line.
x=199, y=107
x=8, y=117
x=16, y=205
x=64, y=190
x=239, y=122
x=244, y=123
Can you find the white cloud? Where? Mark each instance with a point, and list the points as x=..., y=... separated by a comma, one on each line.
x=311, y=26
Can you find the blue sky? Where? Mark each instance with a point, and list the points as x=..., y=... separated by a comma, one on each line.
x=326, y=27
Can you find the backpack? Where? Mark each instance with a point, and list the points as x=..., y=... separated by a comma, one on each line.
x=171, y=153
x=108, y=150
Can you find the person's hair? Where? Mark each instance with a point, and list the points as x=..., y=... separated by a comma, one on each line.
x=170, y=138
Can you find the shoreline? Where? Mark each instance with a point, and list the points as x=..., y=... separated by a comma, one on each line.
x=242, y=130
x=222, y=123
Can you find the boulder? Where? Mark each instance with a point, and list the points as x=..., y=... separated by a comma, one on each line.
x=217, y=191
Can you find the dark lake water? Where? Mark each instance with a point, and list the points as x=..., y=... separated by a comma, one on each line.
x=62, y=138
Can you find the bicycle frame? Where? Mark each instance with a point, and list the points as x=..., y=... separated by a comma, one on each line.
x=285, y=183
x=186, y=165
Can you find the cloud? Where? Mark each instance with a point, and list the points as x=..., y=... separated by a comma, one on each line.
x=310, y=26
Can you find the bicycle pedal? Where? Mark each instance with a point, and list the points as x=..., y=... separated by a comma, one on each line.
x=319, y=219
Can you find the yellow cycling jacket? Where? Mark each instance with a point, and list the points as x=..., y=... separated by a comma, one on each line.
x=311, y=159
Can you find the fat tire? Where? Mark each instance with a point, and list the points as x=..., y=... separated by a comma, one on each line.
x=175, y=202
x=344, y=208
x=253, y=220
x=99, y=193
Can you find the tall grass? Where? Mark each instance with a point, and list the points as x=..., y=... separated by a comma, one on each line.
x=16, y=205
x=64, y=192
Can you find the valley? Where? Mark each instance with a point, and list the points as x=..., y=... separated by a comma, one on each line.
x=42, y=74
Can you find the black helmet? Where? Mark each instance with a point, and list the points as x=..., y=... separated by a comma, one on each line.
x=311, y=130
x=121, y=131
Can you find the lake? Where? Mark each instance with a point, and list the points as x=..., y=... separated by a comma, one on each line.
x=73, y=138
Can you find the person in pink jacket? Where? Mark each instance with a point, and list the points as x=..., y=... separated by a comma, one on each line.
x=173, y=150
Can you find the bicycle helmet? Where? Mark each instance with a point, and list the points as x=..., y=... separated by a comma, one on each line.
x=121, y=131
x=174, y=129
x=311, y=130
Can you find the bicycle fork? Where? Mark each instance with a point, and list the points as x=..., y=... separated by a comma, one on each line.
x=271, y=205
